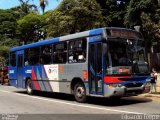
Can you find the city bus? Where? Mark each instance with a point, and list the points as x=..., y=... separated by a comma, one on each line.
x=103, y=62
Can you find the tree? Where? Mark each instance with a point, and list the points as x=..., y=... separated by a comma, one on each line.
x=136, y=7
x=74, y=16
x=25, y=8
x=145, y=13
x=29, y=28
x=43, y=4
x=7, y=25
x=152, y=35
x=151, y=30
x=4, y=53
x=114, y=11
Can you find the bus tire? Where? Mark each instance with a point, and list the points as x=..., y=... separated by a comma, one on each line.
x=29, y=87
x=80, y=93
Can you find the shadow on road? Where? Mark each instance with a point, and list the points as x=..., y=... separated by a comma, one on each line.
x=93, y=100
x=60, y=96
x=118, y=102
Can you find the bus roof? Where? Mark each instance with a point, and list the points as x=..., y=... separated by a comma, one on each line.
x=92, y=32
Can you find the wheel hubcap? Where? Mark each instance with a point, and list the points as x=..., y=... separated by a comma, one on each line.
x=29, y=87
x=80, y=92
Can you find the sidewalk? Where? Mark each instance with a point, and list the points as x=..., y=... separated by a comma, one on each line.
x=158, y=90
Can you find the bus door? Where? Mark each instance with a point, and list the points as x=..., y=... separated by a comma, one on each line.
x=95, y=68
x=20, y=57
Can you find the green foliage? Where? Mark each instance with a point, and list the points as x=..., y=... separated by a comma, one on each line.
x=145, y=13
x=7, y=28
x=29, y=28
x=136, y=7
x=43, y=4
x=7, y=24
x=24, y=24
x=74, y=16
x=19, y=12
x=4, y=53
x=114, y=11
x=150, y=29
x=25, y=8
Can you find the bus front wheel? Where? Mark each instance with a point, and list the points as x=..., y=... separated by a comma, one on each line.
x=29, y=87
x=80, y=93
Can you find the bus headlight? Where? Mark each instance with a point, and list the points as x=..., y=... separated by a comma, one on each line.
x=120, y=85
x=115, y=85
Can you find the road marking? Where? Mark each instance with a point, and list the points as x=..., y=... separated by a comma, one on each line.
x=85, y=106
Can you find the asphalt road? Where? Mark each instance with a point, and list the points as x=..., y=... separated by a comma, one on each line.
x=61, y=106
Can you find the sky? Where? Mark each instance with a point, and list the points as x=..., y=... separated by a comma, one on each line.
x=6, y=4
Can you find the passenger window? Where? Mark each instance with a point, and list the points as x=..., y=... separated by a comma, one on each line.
x=60, y=53
x=13, y=59
x=46, y=54
x=26, y=57
x=77, y=51
x=34, y=55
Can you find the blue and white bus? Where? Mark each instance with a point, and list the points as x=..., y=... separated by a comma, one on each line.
x=107, y=62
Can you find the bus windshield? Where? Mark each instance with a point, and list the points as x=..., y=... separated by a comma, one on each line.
x=126, y=56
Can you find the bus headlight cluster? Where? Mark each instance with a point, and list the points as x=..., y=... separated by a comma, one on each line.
x=115, y=85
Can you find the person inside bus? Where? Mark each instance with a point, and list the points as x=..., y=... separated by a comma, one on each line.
x=59, y=58
x=71, y=58
x=81, y=57
x=75, y=56
x=26, y=63
x=41, y=60
x=123, y=60
x=115, y=59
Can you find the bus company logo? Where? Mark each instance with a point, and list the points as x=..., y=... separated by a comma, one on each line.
x=28, y=71
x=134, y=83
x=11, y=71
x=52, y=70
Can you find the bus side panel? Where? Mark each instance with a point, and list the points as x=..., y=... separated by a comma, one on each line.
x=35, y=77
x=60, y=76
x=37, y=74
x=43, y=79
x=13, y=76
x=27, y=73
x=67, y=72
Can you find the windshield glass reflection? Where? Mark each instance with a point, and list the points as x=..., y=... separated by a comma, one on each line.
x=126, y=57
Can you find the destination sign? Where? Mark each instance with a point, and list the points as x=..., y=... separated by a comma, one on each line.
x=123, y=33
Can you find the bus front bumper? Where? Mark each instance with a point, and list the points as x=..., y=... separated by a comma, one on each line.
x=124, y=91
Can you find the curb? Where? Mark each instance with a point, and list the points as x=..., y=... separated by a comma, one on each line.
x=150, y=95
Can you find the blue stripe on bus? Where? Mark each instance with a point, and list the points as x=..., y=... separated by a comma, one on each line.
x=36, y=84
x=42, y=87
x=94, y=40
x=44, y=42
x=96, y=35
x=47, y=82
x=96, y=32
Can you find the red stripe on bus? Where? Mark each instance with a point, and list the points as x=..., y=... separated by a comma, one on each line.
x=113, y=79
x=36, y=85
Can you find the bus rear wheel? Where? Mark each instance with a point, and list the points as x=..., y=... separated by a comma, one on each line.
x=29, y=87
x=80, y=93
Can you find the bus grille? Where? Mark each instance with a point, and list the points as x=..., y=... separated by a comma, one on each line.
x=129, y=85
